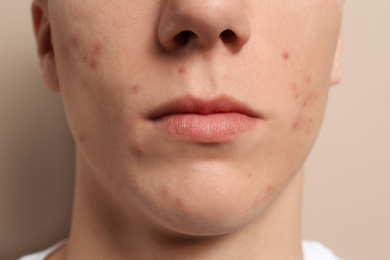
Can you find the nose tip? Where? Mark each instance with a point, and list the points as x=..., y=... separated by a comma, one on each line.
x=202, y=23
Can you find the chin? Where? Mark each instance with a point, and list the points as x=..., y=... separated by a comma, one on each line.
x=218, y=207
x=220, y=221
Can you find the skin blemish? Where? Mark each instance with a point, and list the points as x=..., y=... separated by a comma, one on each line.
x=82, y=138
x=260, y=196
x=310, y=99
x=135, y=89
x=93, y=59
x=98, y=49
x=137, y=150
x=313, y=97
x=164, y=192
x=269, y=189
x=286, y=55
x=295, y=125
x=182, y=70
x=256, y=202
x=178, y=202
x=250, y=174
x=295, y=90
x=307, y=79
x=75, y=41
x=93, y=64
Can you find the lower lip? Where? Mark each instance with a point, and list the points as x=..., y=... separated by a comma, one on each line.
x=218, y=127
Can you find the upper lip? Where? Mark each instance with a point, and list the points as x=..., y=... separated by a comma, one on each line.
x=189, y=104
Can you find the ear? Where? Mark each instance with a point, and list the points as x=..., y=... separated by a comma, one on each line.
x=337, y=70
x=42, y=30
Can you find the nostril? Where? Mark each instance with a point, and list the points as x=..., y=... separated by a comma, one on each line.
x=183, y=38
x=228, y=37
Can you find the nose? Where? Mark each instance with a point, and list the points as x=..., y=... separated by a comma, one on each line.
x=202, y=24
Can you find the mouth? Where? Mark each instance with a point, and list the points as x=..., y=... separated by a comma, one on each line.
x=206, y=121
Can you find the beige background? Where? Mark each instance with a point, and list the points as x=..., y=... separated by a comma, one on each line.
x=347, y=192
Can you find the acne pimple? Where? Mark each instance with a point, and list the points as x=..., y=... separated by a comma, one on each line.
x=182, y=70
x=295, y=124
x=137, y=150
x=82, y=138
x=98, y=49
x=312, y=97
x=178, y=202
x=286, y=55
x=135, y=89
x=295, y=90
x=93, y=64
x=93, y=59
x=74, y=39
x=164, y=192
x=269, y=189
x=250, y=174
x=307, y=79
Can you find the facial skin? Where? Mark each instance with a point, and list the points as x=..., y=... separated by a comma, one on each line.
x=116, y=62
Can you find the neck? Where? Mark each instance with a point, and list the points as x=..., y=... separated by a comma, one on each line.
x=101, y=230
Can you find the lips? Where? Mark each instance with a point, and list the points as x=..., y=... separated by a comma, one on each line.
x=215, y=120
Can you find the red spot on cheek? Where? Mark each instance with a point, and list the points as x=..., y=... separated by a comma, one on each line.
x=295, y=90
x=295, y=124
x=286, y=55
x=164, y=192
x=269, y=189
x=98, y=49
x=182, y=70
x=93, y=64
x=250, y=174
x=83, y=138
x=74, y=41
x=310, y=99
x=178, y=202
x=307, y=79
x=93, y=60
x=135, y=89
x=137, y=150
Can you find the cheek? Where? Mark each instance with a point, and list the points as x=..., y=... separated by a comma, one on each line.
x=82, y=54
x=305, y=92
x=306, y=99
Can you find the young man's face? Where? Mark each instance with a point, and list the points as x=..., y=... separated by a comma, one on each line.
x=196, y=113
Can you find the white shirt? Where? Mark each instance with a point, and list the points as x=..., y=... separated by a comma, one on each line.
x=311, y=251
